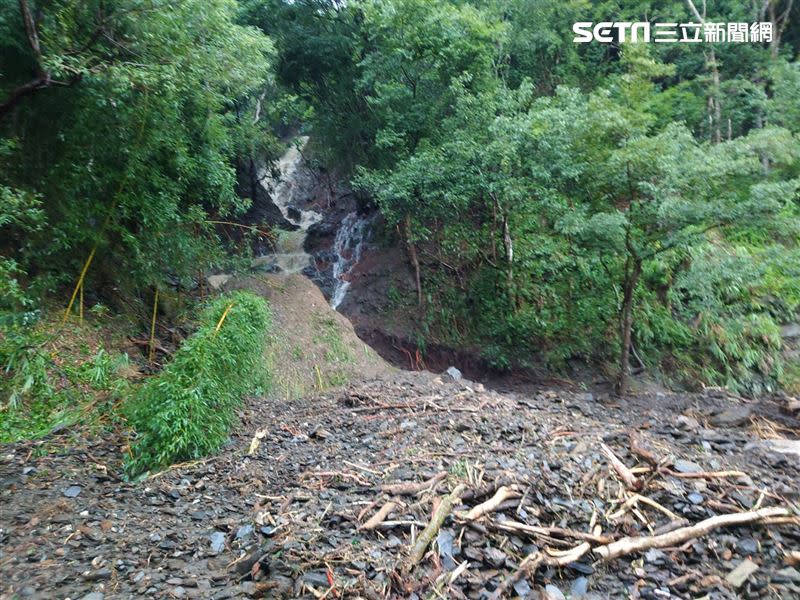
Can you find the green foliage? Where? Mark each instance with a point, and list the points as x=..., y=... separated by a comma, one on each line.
x=41, y=388
x=188, y=409
x=554, y=196
x=539, y=207
x=133, y=144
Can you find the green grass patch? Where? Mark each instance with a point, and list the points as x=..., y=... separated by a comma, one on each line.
x=329, y=334
x=187, y=411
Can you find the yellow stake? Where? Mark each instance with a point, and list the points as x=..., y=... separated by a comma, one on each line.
x=319, y=377
x=80, y=306
x=79, y=284
x=153, y=328
x=222, y=318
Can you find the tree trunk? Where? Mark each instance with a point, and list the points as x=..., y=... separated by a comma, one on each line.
x=412, y=255
x=626, y=324
x=508, y=245
x=712, y=59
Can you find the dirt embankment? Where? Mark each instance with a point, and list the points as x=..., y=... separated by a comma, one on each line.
x=311, y=347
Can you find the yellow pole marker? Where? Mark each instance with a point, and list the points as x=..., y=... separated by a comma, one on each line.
x=79, y=284
x=80, y=306
x=319, y=377
x=222, y=318
x=153, y=329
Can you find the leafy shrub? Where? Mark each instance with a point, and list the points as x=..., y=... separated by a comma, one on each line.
x=187, y=410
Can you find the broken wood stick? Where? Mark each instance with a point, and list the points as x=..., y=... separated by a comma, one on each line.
x=635, y=499
x=528, y=566
x=551, y=531
x=501, y=495
x=707, y=474
x=432, y=529
x=624, y=472
x=409, y=489
x=533, y=560
x=379, y=517
x=641, y=451
x=629, y=545
x=445, y=580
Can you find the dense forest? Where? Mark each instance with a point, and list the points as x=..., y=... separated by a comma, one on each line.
x=628, y=204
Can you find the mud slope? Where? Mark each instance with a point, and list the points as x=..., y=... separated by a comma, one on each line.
x=312, y=347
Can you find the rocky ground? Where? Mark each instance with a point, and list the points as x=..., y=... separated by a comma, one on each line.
x=290, y=508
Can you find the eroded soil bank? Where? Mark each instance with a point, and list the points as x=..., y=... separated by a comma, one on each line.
x=283, y=517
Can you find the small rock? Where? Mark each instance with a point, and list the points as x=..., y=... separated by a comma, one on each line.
x=688, y=423
x=495, y=557
x=244, y=531
x=733, y=416
x=217, y=281
x=319, y=433
x=551, y=592
x=741, y=573
x=579, y=588
x=784, y=446
x=217, y=542
x=317, y=578
x=787, y=574
x=93, y=596
x=686, y=466
x=792, y=330
x=178, y=592
x=655, y=556
x=522, y=588
x=582, y=568
x=445, y=543
x=454, y=373
x=72, y=491
x=695, y=498
x=98, y=575
x=747, y=546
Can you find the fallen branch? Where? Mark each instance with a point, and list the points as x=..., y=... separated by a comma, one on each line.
x=409, y=489
x=501, y=495
x=528, y=566
x=380, y=407
x=380, y=516
x=641, y=451
x=445, y=580
x=629, y=545
x=635, y=499
x=533, y=560
x=624, y=472
x=707, y=474
x=432, y=529
x=551, y=531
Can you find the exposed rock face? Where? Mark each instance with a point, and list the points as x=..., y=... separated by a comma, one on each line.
x=216, y=282
x=263, y=210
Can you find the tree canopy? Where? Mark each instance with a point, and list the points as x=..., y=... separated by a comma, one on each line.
x=631, y=203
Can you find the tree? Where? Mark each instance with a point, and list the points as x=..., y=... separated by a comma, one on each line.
x=132, y=156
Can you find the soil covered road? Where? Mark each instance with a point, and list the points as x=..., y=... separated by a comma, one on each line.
x=323, y=497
